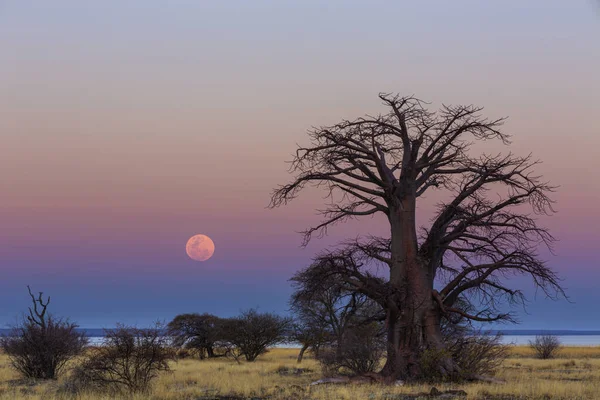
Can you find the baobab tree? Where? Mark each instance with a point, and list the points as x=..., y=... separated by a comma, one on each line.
x=484, y=231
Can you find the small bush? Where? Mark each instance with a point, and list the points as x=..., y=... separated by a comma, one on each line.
x=40, y=345
x=545, y=346
x=474, y=352
x=127, y=362
x=430, y=361
x=475, y=355
x=359, y=351
x=479, y=354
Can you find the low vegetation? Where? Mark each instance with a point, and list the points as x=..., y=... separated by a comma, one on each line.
x=360, y=350
x=128, y=362
x=545, y=346
x=233, y=358
x=573, y=375
x=40, y=345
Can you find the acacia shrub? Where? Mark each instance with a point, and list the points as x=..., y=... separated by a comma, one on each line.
x=40, y=345
x=545, y=346
x=127, y=362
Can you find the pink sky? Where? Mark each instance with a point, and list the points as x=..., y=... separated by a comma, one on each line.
x=126, y=129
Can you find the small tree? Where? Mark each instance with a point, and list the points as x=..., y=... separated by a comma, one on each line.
x=128, y=361
x=252, y=333
x=309, y=336
x=326, y=309
x=40, y=345
x=545, y=346
x=198, y=332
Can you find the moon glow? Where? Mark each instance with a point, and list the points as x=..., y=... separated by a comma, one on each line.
x=200, y=247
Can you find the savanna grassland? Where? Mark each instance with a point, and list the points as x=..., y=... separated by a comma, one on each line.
x=573, y=374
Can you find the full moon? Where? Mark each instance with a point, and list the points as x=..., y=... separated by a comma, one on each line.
x=200, y=247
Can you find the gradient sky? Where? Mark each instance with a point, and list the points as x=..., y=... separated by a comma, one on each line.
x=127, y=127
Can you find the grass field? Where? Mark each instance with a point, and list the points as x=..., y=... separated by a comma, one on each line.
x=574, y=374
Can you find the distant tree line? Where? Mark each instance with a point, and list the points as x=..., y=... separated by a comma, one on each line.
x=246, y=336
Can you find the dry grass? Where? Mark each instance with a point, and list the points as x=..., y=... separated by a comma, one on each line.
x=574, y=375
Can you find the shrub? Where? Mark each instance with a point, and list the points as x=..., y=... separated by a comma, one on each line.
x=252, y=333
x=40, y=345
x=430, y=362
x=127, y=362
x=545, y=346
x=478, y=354
x=360, y=350
x=475, y=353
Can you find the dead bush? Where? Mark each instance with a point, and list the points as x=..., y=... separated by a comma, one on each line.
x=359, y=351
x=128, y=361
x=545, y=346
x=478, y=354
x=475, y=353
x=40, y=345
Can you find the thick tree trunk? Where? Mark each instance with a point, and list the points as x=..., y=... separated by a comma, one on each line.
x=411, y=332
x=413, y=319
x=434, y=341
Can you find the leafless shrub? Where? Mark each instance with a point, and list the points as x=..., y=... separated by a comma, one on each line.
x=127, y=362
x=359, y=351
x=478, y=354
x=545, y=346
x=40, y=345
